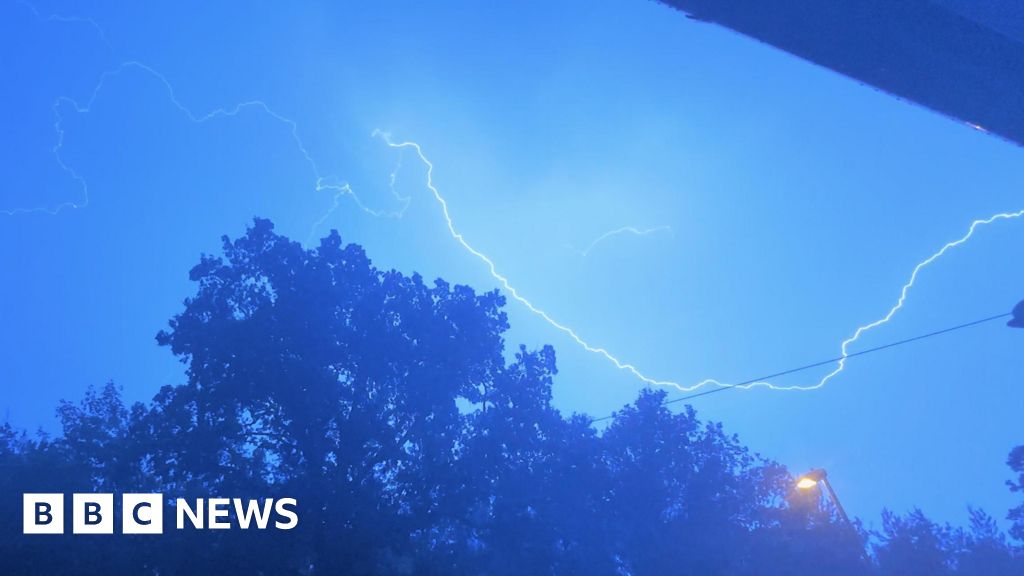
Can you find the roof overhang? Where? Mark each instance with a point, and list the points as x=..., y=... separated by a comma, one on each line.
x=962, y=59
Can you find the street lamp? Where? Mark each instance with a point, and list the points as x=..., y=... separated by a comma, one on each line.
x=819, y=476
x=806, y=483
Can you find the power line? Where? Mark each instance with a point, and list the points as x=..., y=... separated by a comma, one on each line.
x=823, y=362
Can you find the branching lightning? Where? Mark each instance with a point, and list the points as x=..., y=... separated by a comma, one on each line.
x=903, y=293
x=75, y=176
x=342, y=189
x=100, y=33
x=503, y=280
x=322, y=182
x=172, y=97
x=345, y=189
x=619, y=231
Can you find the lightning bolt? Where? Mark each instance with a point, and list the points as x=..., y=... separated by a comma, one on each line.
x=509, y=289
x=58, y=129
x=322, y=183
x=86, y=108
x=100, y=33
x=342, y=189
x=903, y=294
x=345, y=189
x=618, y=231
x=630, y=368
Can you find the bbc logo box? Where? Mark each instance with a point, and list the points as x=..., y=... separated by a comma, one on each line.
x=43, y=513
x=92, y=513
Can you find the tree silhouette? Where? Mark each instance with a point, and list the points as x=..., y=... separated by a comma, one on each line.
x=388, y=408
x=1016, y=463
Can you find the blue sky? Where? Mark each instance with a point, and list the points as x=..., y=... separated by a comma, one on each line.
x=799, y=202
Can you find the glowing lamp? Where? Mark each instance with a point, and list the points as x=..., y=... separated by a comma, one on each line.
x=819, y=476
x=806, y=483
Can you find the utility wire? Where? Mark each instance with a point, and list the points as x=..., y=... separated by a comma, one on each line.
x=723, y=388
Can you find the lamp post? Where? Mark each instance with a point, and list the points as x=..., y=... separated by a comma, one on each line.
x=819, y=476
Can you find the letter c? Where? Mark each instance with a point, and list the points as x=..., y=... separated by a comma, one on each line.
x=137, y=518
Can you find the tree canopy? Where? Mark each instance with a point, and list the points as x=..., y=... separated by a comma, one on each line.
x=388, y=407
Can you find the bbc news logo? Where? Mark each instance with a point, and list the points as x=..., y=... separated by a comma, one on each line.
x=144, y=513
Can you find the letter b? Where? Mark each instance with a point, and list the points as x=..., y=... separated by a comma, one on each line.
x=93, y=514
x=42, y=513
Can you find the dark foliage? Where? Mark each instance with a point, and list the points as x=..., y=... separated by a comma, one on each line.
x=388, y=408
